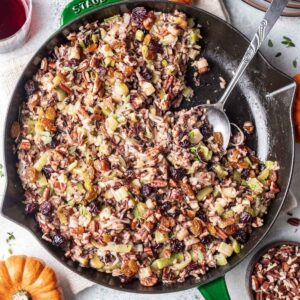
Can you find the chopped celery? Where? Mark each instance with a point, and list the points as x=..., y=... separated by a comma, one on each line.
x=186, y=261
x=221, y=259
x=263, y=175
x=72, y=165
x=121, y=194
x=111, y=124
x=164, y=62
x=94, y=38
x=225, y=249
x=255, y=185
x=195, y=35
x=160, y=237
x=140, y=210
x=236, y=246
x=57, y=80
x=205, y=192
x=61, y=95
x=80, y=188
x=228, y=214
x=42, y=181
x=221, y=173
x=83, y=261
x=112, y=247
x=195, y=136
x=163, y=262
x=187, y=92
x=106, y=111
x=145, y=52
x=236, y=176
x=168, y=40
x=270, y=164
x=96, y=263
x=205, y=153
x=191, y=22
x=61, y=216
x=82, y=44
x=219, y=208
x=247, y=160
x=41, y=162
x=139, y=35
x=85, y=216
x=200, y=256
x=103, y=33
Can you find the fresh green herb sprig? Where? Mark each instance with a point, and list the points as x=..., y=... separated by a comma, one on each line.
x=288, y=42
x=1, y=171
x=9, y=239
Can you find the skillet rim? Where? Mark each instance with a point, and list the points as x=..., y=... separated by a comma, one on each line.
x=178, y=287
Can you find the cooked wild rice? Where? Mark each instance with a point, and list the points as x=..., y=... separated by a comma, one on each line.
x=116, y=179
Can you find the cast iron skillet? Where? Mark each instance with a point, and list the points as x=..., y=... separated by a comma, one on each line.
x=263, y=95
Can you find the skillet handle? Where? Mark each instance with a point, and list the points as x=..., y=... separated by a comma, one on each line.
x=215, y=290
x=77, y=8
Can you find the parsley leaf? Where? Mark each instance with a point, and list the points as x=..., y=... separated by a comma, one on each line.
x=270, y=43
x=295, y=63
x=1, y=171
x=288, y=42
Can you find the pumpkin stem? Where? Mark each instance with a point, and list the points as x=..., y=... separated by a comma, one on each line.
x=21, y=295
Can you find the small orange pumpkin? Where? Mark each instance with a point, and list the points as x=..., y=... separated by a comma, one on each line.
x=297, y=108
x=24, y=277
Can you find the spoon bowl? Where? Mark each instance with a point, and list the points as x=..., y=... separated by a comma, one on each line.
x=220, y=122
x=215, y=114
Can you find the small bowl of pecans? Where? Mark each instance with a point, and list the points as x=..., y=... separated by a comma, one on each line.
x=274, y=272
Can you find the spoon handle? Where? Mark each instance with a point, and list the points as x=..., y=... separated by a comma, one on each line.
x=270, y=18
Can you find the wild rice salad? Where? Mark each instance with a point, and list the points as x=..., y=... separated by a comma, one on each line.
x=116, y=179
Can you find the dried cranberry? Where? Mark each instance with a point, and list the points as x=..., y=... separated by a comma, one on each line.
x=30, y=87
x=206, y=131
x=94, y=207
x=52, y=57
x=107, y=258
x=185, y=144
x=73, y=62
x=241, y=236
x=129, y=174
x=182, y=135
x=177, y=174
x=209, y=166
x=125, y=279
x=206, y=240
x=31, y=208
x=245, y=217
x=261, y=167
x=46, y=208
x=47, y=170
x=202, y=215
x=138, y=15
x=177, y=246
x=54, y=141
x=165, y=206
x=147, y=75
x=59, y=241
x=173, y=213
x=154, y=46
x=146, y=190
x=245, y=173
x=192, y=267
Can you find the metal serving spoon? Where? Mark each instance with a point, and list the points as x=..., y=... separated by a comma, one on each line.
x=215, y=112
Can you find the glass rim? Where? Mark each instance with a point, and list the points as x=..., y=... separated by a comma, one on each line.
x=27, y=20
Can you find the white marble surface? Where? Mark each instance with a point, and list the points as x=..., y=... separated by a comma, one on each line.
x=46, y=19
